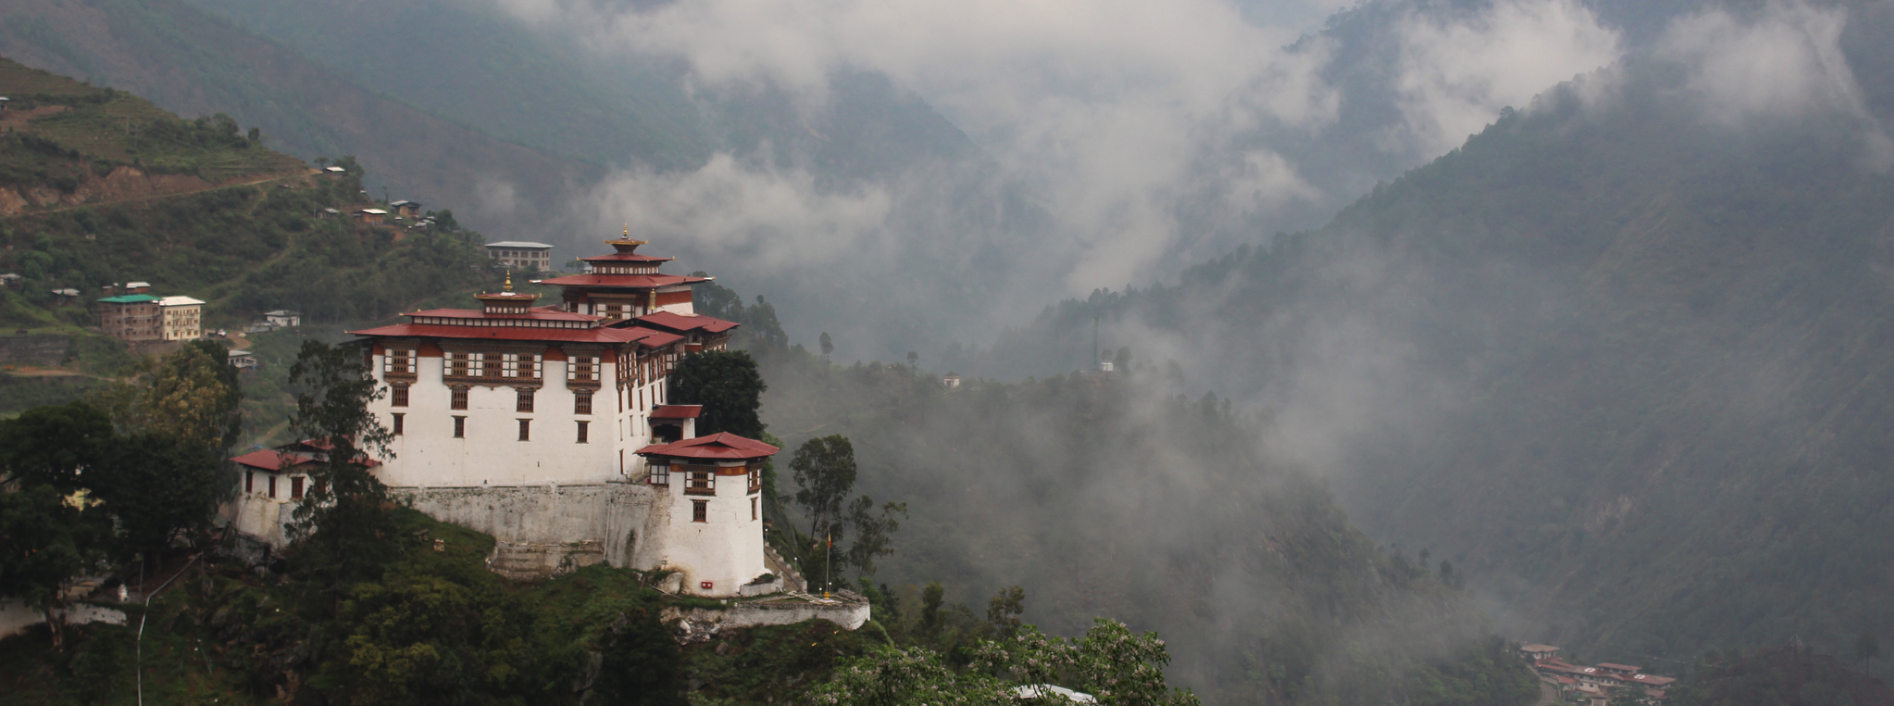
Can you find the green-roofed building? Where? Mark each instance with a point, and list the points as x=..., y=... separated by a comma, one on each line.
x=131, y=318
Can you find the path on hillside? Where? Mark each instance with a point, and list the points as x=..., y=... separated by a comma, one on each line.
x=1547, y=695
x=278, y=176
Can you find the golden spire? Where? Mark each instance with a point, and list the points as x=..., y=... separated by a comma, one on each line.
x=627, y=230
x=509, y=281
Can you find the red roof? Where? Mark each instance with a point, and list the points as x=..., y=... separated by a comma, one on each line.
x=674, y=321
x=627, y=257
x=641, y=281
x=722, y=445
x=677, y=411
x=1652, y=680
x=538, y=313
x=273, y=461
x=1617, y=667
x=643, y=336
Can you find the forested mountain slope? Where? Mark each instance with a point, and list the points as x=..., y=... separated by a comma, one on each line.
x=100, y=186
x=193, y=63
x=1621, y=356
x=1106, y=495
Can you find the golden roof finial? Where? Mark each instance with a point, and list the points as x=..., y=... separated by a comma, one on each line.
x=627, y=229
x=509, y=281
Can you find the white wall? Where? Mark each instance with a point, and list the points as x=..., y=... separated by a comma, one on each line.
x=427, y=454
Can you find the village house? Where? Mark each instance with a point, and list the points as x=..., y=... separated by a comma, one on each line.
x=371, y=215
x=241, y=360
x=182, y=318
x=133, y=318
x=521, y=255
x=406, y=209
x=283, y=318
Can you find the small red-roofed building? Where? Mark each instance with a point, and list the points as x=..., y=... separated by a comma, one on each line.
x=715, y=485
x=672, y=422
x=274, y=482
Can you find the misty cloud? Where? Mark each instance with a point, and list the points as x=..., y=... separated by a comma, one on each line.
x=1782, y=63
x=1456, y=77
x=738, y=209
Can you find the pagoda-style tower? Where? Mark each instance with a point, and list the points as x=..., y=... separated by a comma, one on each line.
x=625, y=285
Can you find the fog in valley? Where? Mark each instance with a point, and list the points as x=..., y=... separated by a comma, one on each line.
x=1429, y=323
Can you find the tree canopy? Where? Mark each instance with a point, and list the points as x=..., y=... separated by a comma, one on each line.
x=729, y=387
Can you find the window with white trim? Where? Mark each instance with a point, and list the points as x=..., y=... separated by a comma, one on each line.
x=660, y=474
x=399, y=361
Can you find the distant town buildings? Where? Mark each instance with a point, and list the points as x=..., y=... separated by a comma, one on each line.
x=1598, y=684
x=521, y=255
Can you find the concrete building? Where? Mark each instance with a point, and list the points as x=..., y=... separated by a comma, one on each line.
x=182, y=318
x=546, y=426
x=132, y=318
x=283, y=318
x=241, y=360
x=521, y=255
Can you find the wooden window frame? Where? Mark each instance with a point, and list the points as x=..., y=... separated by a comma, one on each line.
x=702, y=482
x=582, y=402
x=660, y=474
x=457, y=398
x=398, y=425
x=526, y=430
x=296, y=488
x=584, y=431
x=524, y=401
x=700, y=510
x=460, y=427
x=398, y=395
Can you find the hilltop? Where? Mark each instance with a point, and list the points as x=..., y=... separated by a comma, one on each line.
x=193, y=63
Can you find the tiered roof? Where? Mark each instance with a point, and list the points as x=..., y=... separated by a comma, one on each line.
x=511, y=316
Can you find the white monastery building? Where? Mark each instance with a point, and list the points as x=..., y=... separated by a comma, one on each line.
x=546, y=425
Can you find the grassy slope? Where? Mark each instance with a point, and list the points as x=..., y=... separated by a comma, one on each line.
x=193, y=63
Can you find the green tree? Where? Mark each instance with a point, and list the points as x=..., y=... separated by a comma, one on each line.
x=827, y=344
x=46, y=539
x=727, y=384
x=158, y=487
x=931, y=597
x=52, y=444
x=873, y=532
x=1866, y=649
x=641, y=665
x=191, y=394
x=824, y=470
x=1116, y=667
x=345, y=531
x=423, y=639
x=1004, y=609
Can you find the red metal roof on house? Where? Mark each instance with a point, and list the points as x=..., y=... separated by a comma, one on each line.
x=722, y=445
x=649, y=338
x=677, y=411
x=272, y=460
x=679, y=322
x=1619, y=667
x=539, y=313
x=639, y=281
